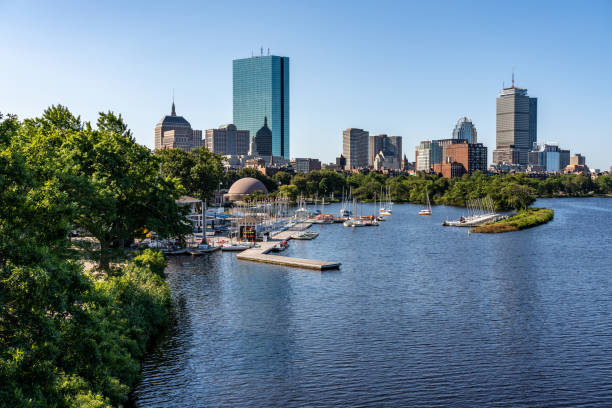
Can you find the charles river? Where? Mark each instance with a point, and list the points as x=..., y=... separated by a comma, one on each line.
x=417, y=315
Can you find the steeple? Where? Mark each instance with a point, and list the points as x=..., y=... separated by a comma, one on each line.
x=173, y=108
x=265, y=121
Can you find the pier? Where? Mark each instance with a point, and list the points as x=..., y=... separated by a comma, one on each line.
x=261, y=253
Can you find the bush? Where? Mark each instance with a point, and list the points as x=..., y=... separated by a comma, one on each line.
x=529, y=218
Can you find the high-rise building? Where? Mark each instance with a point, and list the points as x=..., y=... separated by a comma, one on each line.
x=389, y=146
x=261, y=90
x=355, y=148
x=516, y=122
x=263, y=139
x=227, y=140
x=465, y=130
x=341, y=162
x=175, y=132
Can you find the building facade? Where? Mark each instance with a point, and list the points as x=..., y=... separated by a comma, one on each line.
x=549, y=157
x=341, y=162
x=389, y=146
x=506, y=155
x=227, y=140
x=465, y=130
x=516, y=123
x=173, y=132
x=355, y=148
x=263, y=139
x=428, y=153
x=305, y=165
x=473, y=156
x=578, y=160
x=261, y=94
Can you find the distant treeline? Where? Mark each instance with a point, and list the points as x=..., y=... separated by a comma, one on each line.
x=507, y=190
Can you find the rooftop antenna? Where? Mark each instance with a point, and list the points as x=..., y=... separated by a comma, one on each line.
x=512, y=77
x=261, y=51
x=268, y=52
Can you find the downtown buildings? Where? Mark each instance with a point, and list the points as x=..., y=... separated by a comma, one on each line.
x=174, y=131
x=261, y=98
x=453, y=157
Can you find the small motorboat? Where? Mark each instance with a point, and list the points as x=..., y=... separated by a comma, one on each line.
x=306, y=235
x=281, y=246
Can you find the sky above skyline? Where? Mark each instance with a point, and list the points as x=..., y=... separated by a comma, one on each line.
x=402, y=68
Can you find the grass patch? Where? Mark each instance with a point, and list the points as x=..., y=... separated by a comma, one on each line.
x=529, y=218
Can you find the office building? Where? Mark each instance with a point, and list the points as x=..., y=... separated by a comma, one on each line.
x=516, y=124
x=263, y=139
x=461, y=158
x=465, y=130
x=549, y=157
x=428, y=153
x=389, y=146
x=261, y=94
x=506, y=155
x=578, y=160
x=355, y=148
x=227, y=140
x=174, y=132
x=305, y=165
x=341, y=162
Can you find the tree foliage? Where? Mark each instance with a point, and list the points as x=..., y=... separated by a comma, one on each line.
x=65, y=338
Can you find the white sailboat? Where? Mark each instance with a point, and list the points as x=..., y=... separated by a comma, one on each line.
x=426, y=211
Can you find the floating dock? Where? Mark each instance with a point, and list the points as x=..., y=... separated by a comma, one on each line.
x=260, y=254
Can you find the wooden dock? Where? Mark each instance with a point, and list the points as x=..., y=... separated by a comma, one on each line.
x=260, y=254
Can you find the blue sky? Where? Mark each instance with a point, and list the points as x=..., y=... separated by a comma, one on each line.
x=401, y=68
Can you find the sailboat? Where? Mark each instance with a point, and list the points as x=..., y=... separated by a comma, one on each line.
x=426, y=211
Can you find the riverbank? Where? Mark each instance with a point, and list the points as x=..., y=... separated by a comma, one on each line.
x=528, y=218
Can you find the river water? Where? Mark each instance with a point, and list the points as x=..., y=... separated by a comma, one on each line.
x=417, y=315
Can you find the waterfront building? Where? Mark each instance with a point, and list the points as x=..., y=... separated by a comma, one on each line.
x=389, y=146
x=341, y=162
x=428, y=153
x=516, y=124
x=263, y=139
x=355, y=148
x=305, y=165
x=465, y=130
x=173, y=132
x=261, y=94
x=244, y=187
x=227, y=140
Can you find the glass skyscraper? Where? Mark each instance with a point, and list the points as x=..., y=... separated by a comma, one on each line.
x=261, y=89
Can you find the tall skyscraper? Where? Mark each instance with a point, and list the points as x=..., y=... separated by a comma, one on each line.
x=355, y=148
x=175, y=132
x=465, y=129
x=261, y=89
x=390, y=146
x=516, y=123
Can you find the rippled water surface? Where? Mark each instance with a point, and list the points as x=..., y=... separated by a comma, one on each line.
x=418, y=315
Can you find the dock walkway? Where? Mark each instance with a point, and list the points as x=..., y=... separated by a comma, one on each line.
x=260, y=254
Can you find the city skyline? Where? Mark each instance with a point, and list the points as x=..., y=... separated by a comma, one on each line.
x=416, y=94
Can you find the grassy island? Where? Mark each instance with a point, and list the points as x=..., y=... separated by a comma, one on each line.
x=528, y=218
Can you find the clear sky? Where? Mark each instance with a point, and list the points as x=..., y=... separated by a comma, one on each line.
x=401, y=68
